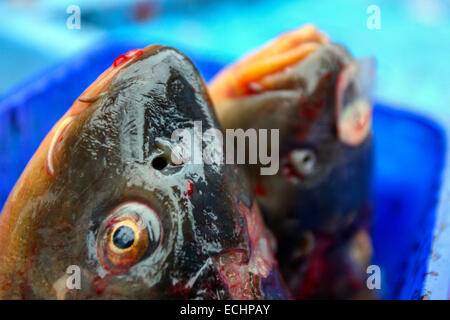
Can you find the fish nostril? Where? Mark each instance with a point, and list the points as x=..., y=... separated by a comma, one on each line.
x=170, y=155
x=159, y=163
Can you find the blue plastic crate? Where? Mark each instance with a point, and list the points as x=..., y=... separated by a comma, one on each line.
x=410, y=157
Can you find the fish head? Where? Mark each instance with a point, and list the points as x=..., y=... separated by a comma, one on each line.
x=318, y=97
x=106, y=209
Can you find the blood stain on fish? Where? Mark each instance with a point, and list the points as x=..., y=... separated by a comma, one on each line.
x=190, y=188
x=260, y=190
x=127, y=56
x=99, y=285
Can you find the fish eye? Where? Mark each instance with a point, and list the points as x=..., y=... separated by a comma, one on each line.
x=131, y=232
x=304, y=161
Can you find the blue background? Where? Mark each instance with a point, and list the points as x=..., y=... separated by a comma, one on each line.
x=45, y=66
x=412, y=47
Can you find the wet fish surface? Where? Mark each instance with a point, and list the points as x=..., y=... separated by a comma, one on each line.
x=102, y=195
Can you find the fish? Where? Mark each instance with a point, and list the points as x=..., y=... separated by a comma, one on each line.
x=106, y=209
x=318, y=205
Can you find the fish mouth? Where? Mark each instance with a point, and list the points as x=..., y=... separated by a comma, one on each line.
x=243, y=273
x=95, y=90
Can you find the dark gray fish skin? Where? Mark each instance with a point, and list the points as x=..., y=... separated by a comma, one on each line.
x=320, y=218
x=106, y=161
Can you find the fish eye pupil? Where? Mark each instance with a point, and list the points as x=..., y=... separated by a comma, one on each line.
x=307, y=158
x=123, y=237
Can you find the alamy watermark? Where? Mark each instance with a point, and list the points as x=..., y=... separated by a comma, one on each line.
x=193, y=146
x=374, y=20
x=73, y=281
x=374, y=279
x=74, y=20
x=73, y=278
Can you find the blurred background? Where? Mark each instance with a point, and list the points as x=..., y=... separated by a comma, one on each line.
x=51, y=50
x=411, y=45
